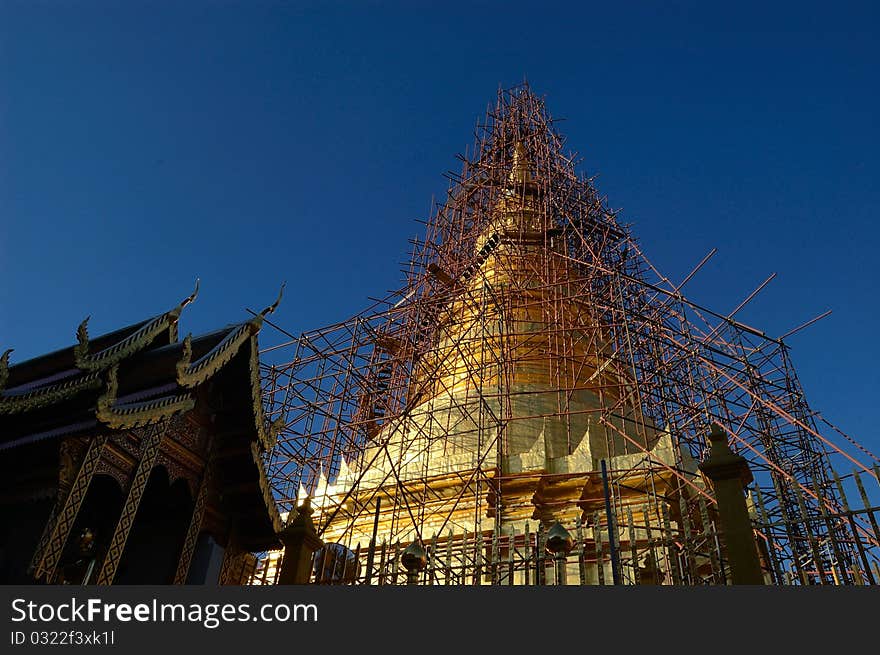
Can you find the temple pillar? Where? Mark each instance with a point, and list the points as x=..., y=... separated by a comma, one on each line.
x=729, y=474
x=238, y=564
x=300, y=541
x=149, y=454
x=195, y=526
x=57, y=530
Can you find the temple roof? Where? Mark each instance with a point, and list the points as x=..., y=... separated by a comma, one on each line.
x=143, y=374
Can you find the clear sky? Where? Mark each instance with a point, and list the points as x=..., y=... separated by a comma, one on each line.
x=143, y=145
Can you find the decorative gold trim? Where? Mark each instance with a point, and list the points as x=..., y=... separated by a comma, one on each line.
x=58, y=528
x=185, y=363
x=267, y=436
x=131, y=344
x=185, y=458
x=118, y=351
x=108, y=398
x=151, y=447
x=268, y=498
x=137, y=414
x=142, y=414
x=195, y=525
x=192, y=374
x=36, y=398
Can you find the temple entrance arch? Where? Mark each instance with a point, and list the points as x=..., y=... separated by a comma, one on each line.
x=86, y=546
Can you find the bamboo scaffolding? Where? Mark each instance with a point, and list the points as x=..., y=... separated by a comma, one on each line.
x=483, y=306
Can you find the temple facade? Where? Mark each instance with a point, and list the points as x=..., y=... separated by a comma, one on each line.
x=135, y=457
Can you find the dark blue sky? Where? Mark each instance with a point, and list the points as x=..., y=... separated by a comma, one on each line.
x=146, y=144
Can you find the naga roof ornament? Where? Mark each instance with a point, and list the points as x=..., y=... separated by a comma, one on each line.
x=43, y=396
x=132, y=415
x=193, y=373
x=190, y=374
x=131, y=344
x=257, y=322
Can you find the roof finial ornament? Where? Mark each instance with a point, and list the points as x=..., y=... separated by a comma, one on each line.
x=107, y=399
x=191, y=297
x=183, y=365
x=175, y=313
x=271, y=308
x=4, y=368
x=81, y=349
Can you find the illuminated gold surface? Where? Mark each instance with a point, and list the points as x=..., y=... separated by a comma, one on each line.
x=512, y=391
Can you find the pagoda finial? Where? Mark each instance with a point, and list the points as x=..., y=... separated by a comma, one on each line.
x=519, y=171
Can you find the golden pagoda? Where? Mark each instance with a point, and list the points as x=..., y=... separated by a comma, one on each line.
x=534, y=406
x=503, y=429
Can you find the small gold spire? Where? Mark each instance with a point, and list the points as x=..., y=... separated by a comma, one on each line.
x=519, y=171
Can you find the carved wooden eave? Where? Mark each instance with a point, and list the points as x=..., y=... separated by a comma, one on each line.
x=191, y=374
x=133, y=415
x=267, y=435
x=199, y=400
x=14, y=403
x=266, y=490
x=133, y=343
x=140, y=414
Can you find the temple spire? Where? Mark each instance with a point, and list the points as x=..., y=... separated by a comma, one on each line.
x=519, y=172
